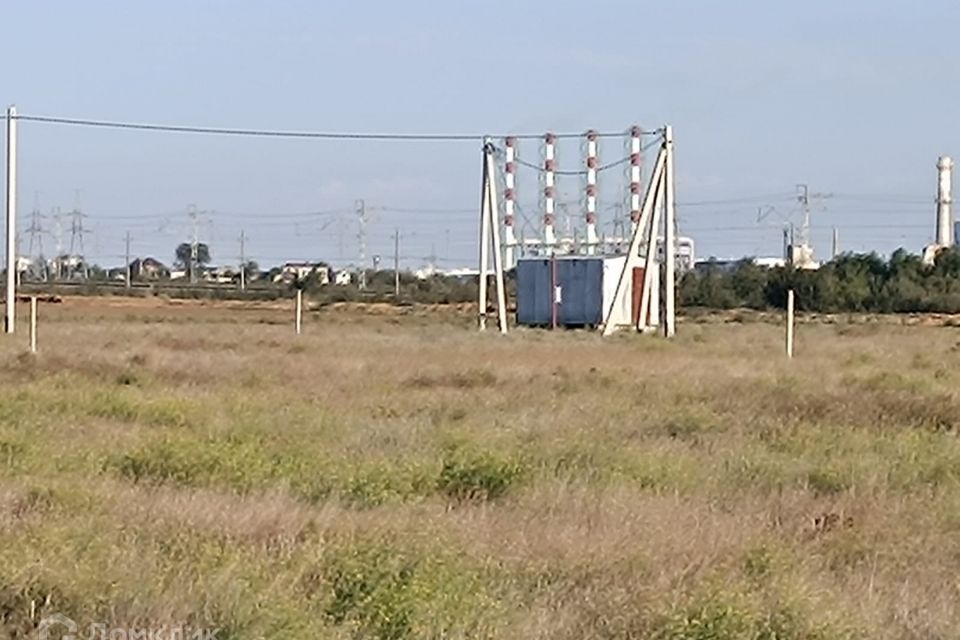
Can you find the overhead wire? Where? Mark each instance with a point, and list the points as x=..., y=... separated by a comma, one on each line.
x=578, y=172
x=272, y=133
x=166, y=218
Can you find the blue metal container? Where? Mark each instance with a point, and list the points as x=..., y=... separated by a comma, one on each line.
x=569, y=286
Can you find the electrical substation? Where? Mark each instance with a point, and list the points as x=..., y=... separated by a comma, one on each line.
x=565, y=279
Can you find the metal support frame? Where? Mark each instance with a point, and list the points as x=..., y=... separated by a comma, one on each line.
x=490, y=234
x=660, y=197
x=651, y=258
x=669, y=238
x=11, y=304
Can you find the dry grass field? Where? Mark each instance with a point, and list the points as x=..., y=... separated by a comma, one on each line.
x=400, y=476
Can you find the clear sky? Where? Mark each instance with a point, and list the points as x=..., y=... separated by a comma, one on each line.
x=856, y=98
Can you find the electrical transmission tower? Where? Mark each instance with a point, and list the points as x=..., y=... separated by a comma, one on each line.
x=77, y=252
x=36, y=239
x=804, y=197
x=58, y=241
x=619, y=226
x=361, y=210
x=195, y=217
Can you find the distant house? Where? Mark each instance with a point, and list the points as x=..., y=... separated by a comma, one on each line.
x=66, y=266
x=292, y=272
x=24, y=264
x=426, y=272
x=342, y=278
x=220, y=275
x=464, y=274
x=148, y=269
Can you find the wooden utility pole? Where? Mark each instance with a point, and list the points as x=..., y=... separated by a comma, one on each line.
x=299, y=314
x=396, y=263
x=790, y=323
x=243, y=262
x=127, y=254
x=33, y=324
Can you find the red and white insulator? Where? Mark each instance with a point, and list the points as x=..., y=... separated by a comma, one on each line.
x=509, y=177
x=636, y=161
x=591, y=190
x=549, y=189
x=509, y=199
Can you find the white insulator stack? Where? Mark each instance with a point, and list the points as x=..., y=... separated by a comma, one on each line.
x=944, y=201
x=509, y=203
x=591, y=193
x=635, y=186
x=549, y=192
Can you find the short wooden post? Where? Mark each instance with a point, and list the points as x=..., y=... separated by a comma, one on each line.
x=299, y=321
x=33, y=324
x=790, y=323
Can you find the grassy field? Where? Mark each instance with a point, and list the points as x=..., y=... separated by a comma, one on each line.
x=400, y=477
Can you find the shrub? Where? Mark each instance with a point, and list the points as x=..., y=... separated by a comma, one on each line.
x=378, y=589
x=478, y=477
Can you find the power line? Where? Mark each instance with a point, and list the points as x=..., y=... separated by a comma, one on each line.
x=573, y=172
x=739, y=200
x=322, y=135
x=883, y=199
x=778, y=229
x=426, y=210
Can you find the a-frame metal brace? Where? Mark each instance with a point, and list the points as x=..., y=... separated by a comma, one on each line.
x=659, y=196
x=490, y=234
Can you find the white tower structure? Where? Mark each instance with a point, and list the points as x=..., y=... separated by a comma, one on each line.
x=549, y=192
x=635, y=187
x=509, y=204
x=944, y=201
x=591, y=192
x=944, y=231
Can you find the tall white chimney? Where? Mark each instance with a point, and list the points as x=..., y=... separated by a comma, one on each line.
x=944, y=201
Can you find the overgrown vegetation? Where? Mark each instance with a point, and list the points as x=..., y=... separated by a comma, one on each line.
x=434, y=289
x=404, y=478
x=849, y=283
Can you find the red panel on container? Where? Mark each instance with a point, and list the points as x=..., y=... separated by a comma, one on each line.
x=637, y=293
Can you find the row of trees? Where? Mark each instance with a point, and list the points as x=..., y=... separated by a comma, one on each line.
x=849, y=283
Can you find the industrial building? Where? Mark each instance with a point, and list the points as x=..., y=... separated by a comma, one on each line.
x=576, y=291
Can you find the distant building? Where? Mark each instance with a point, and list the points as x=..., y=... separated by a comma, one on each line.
x=770, y=262
x=462, y=273
x=686, y=256
x=67, y=266
x=220, y=275
x=801, y=257
x=148, y=269
x=342, y=278
x=292, y=272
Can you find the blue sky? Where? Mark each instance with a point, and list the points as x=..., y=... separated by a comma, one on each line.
x=854, y=98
